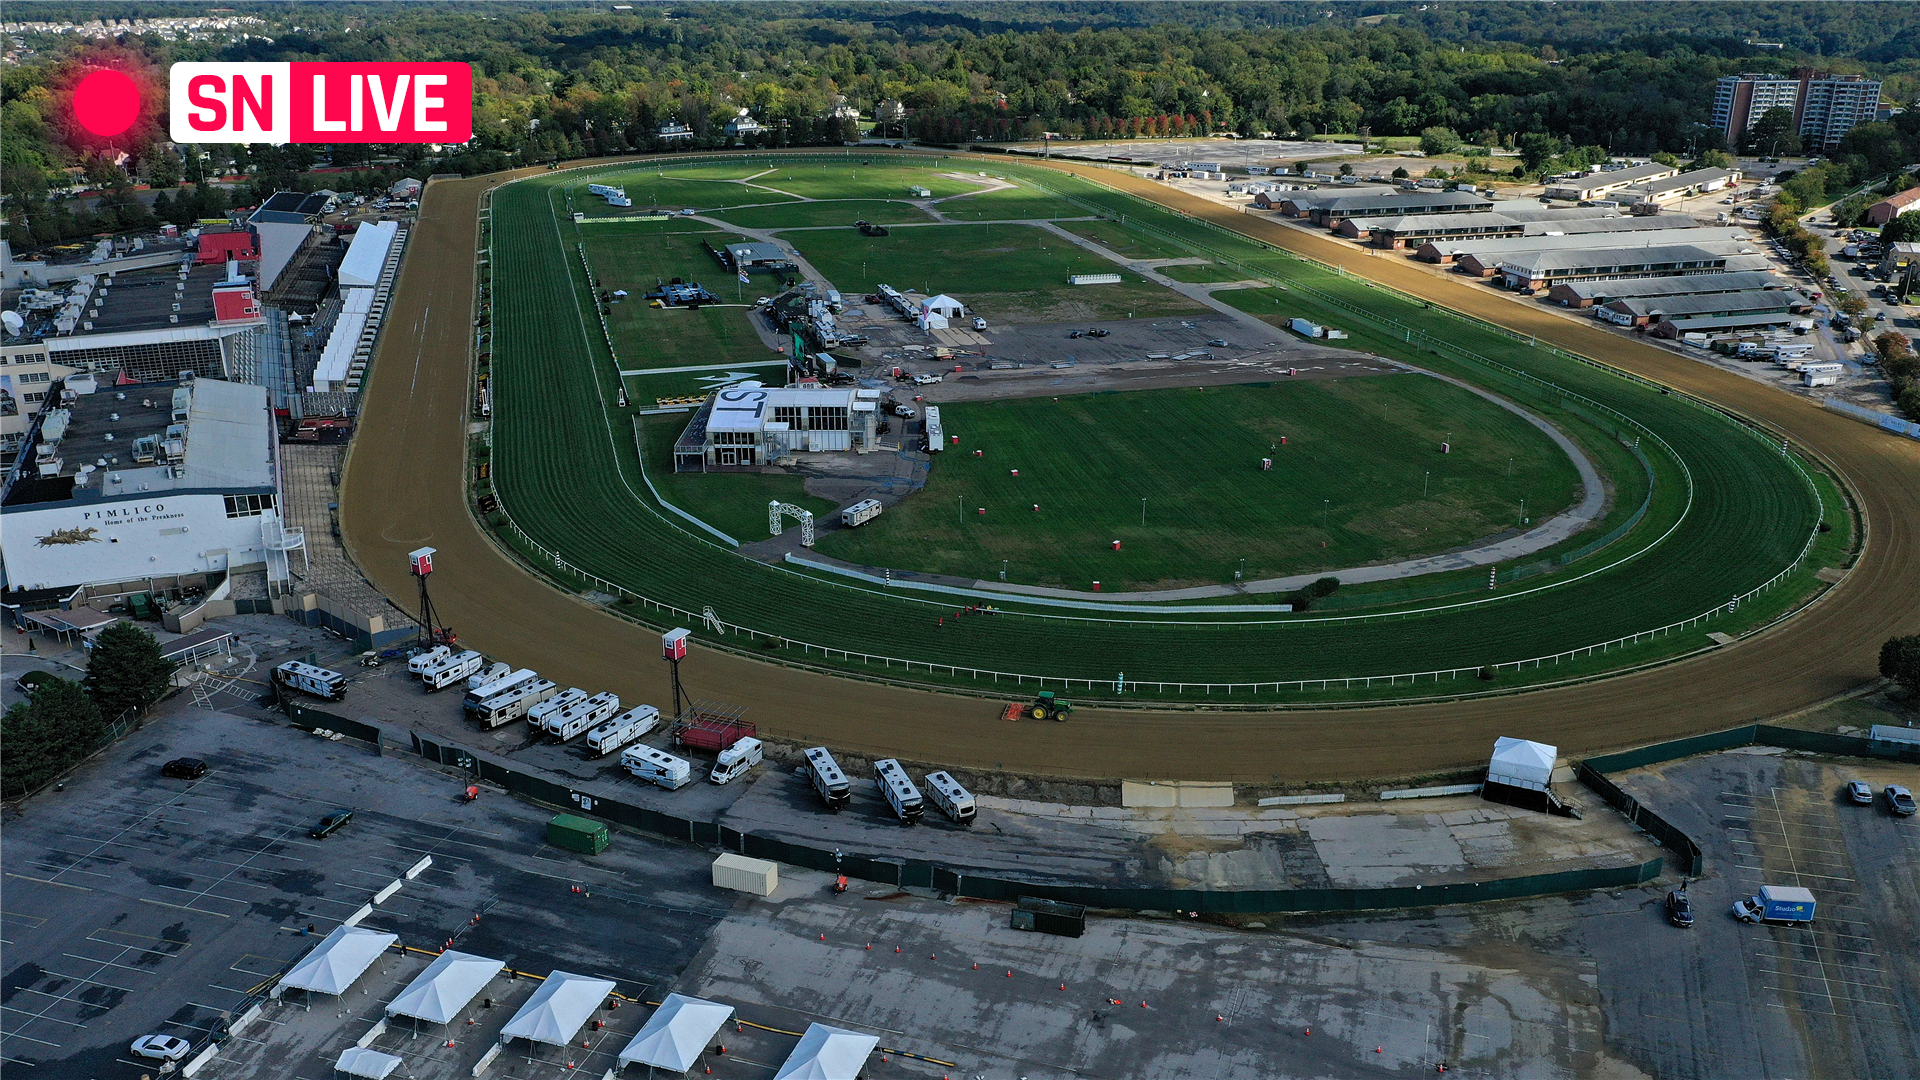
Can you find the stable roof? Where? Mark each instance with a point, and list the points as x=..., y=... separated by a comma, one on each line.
x=676, y=1033
x=1734, y=303
x=1697, y=324
x=1522, y=763
x=828, y=1053
x=1673, y=286
x=437, y=994
x=360, y=1061
x=1644, y=238
x=561, y=1007
x=1614, y=259
x=338, y=960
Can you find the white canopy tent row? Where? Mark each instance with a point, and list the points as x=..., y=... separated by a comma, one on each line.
x=676, y=1034
x=437, y=994
x=828, y=1053
x=336, y=962
x=558, y=1010
x=372, y=1064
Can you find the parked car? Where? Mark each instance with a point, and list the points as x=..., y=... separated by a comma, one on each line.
x=1097, y=332
x=903, y=410
x=30, y=681
x=330, y=824
x=161, y=1047
x=1900, y=800
x=1679, y=909
x=1859, y=793
x=1217, y=343
x=184, y=768
x=1075, y=334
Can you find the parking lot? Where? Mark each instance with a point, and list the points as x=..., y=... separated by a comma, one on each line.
x=1840, y=997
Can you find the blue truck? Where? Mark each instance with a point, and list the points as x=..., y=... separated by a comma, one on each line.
x=1776, y=903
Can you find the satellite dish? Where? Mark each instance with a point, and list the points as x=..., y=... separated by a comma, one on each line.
x=13, y=321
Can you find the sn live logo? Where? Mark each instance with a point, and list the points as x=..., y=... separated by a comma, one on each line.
x=320, y=103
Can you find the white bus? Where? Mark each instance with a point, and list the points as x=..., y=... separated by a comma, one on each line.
x=950, y=798
x=510, y=681
x=635, y=723
x=827, y=778
x=537, y=716
x=451, y=670
x=513, y=703
x=574, y=720
x=308, y=679
x=897, y=788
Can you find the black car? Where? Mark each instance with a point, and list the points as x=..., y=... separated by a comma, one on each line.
x=184, y=768
x=1097, y=332
x=1679, y=909
x=330, y=824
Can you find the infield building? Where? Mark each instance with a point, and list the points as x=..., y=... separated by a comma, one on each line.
x=746, y=426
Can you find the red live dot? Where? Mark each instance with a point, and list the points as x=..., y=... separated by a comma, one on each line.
x=106, y=103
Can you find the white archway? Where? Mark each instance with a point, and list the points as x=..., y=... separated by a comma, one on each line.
x=777, y=508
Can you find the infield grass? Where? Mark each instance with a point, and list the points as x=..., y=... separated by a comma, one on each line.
x=638, y=257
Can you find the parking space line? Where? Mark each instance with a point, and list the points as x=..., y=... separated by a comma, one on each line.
x=142, y=937
x=109, y=963
x=181, y=907
x=68, y=869
x=90, y=982
x=37, y=920
x=29, y=1038
x=45, y=881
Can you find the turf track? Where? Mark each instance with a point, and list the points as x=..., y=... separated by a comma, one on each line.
x=415, y=414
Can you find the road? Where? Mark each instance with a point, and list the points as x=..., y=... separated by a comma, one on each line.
x=404, y=487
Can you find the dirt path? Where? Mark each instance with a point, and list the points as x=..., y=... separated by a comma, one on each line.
x=405, y=483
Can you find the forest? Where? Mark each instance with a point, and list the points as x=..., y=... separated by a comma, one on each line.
x=563, y=80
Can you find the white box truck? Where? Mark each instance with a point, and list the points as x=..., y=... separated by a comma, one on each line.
x=936, y=435
x=453, y=669
x=1776, y=903
x=657, y=767
x=827, y=779
x=897, y=788
x=513, y=703
x=510, y=681
x=420, y=662
x=537, y=716
x=492, y=673
x=736, y=760
x=950, y=798
x=633, y=724
x=576, y=719
x=860, y=513
x=308, y=679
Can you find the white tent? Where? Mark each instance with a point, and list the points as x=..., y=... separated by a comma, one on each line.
x=367, y=255
x=438, y=994
x=938, y=311
x=679, y=1029
x=334, y=963
x=558, y=1009
x=360, y=1061
x=1523, y=764
x=828, y=1053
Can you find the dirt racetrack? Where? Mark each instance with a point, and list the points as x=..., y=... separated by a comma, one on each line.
x=404, y=487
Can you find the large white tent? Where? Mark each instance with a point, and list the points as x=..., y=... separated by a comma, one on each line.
x=557, y=1010
x=828, y=1053
x=676, y=1033
x=334, y=963
x=438, y=994
x=360, y=1061
x=1522, y=764
x=367, y=254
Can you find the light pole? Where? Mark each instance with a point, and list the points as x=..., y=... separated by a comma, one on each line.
x=1143, y=513
x=1523, y=509
x=1424, y=481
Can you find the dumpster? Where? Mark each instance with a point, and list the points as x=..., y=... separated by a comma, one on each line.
x=1050, y=917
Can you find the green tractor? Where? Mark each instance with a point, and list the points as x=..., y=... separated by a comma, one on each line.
x=1043, y=707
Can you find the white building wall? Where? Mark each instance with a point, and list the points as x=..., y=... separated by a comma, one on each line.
x=78, y=544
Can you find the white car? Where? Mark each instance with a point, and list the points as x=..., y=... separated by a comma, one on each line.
x=903, y=410
x=161, y=1047
x=979, y=323
x=688, y=212
x=925, y=380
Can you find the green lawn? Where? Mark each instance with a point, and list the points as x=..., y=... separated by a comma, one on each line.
x=636, y=258
x=827, y=212
x=650, y=188
x=734, y=503
x=1023, y=203
x=1351, y=474
x=1013, y=272
x=1201, y=272
x=877, y=178
x=1124, y=241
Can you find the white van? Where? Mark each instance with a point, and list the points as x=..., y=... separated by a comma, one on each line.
x=451, y=670
x=420, y=662
x=827, y=779
x=574, y=720
x=657, y=767
x=537, y=716
x=492, y=673
x=897, y=788
x=633, y=724
x=514, y=702
x=736, y=760
x=950, y=798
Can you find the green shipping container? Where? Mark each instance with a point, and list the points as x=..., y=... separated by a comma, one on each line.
x=575, y=833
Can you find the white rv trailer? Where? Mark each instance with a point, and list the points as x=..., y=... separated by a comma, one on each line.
x=657, y=767
x=897, y=788
x=514, y=702
x=635, y=723
x=451, y=670
x=511, y=680
x=575, y=720
x=308, y=679
x=950, y=798
x=537, y=716
x=827, y=779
